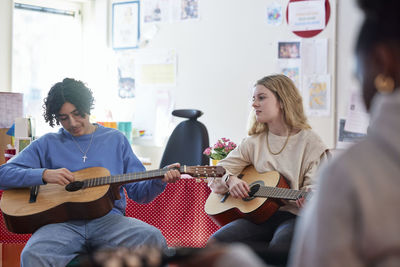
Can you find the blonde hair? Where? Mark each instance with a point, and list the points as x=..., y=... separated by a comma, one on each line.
x=292, y=104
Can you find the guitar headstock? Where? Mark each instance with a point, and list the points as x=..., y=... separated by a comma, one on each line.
x=204, y=171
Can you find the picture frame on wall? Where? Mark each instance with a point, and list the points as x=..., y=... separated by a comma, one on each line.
x=125, y=25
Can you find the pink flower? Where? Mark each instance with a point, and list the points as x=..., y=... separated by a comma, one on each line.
x=220, y=149
x=207, y=151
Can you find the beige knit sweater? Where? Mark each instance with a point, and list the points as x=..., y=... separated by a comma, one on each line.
x=298, y=162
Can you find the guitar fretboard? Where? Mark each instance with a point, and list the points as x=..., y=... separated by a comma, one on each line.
x=195, y=171
x=284, y=193
x=129, y=177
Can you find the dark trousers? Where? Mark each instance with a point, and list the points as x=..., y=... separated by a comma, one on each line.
x=271, y=239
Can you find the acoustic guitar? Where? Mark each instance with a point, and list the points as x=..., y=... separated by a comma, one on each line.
x=266, y=191
x=90, y=196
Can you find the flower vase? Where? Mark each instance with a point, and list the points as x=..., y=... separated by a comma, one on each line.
x=214, y=162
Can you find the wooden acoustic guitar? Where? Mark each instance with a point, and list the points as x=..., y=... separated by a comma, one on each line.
x=266, y=191
x=90, y=196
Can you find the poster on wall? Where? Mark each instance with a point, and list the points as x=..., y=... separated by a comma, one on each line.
x=347, y=138
x=156, y=11
x=289, y=60
x=125, y=25
x=357, y=120
x=274, y=14
x=307, y=15
x=156, y=67
x=170, y=10
x=291, y=69
x=126, y=73
x=11, y=107
x=317, y=95
x=289, y=49
x=152, y=117
x=314, y=53
x=189, y=9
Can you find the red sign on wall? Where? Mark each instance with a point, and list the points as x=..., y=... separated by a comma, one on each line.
x=310, y=33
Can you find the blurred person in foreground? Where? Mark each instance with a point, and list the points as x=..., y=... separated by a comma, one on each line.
x=353, y=220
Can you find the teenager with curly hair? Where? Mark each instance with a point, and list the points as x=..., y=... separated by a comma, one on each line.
x=78, y=145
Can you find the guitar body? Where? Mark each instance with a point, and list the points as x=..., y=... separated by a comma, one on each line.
x=255, y=209
x=90, y=196
x=54, y=204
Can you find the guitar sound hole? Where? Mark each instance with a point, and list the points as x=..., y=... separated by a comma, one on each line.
x=74, y=186
x=253, y=189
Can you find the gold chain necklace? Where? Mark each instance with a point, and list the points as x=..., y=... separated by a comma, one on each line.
x=284, y=145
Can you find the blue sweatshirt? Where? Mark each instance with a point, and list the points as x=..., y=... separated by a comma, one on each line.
x=109, y=149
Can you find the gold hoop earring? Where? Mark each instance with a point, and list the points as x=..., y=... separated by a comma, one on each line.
x=384, y=84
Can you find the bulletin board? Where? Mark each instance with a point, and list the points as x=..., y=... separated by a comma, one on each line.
x=223, y=50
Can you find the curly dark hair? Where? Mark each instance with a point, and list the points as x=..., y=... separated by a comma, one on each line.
x=69, y=90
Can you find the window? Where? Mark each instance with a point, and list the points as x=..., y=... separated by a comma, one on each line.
x=47, y=47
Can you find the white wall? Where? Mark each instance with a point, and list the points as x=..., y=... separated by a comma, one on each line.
x=349, y=20
x=221, y=56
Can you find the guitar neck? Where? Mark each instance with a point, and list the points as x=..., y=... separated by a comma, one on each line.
x=281, y=193
x=196, y=171
x=124, y=178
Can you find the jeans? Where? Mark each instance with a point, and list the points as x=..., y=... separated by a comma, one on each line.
x=276, y=233
x=57, y=244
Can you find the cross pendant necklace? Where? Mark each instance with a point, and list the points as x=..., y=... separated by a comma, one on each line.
x=84, y=157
